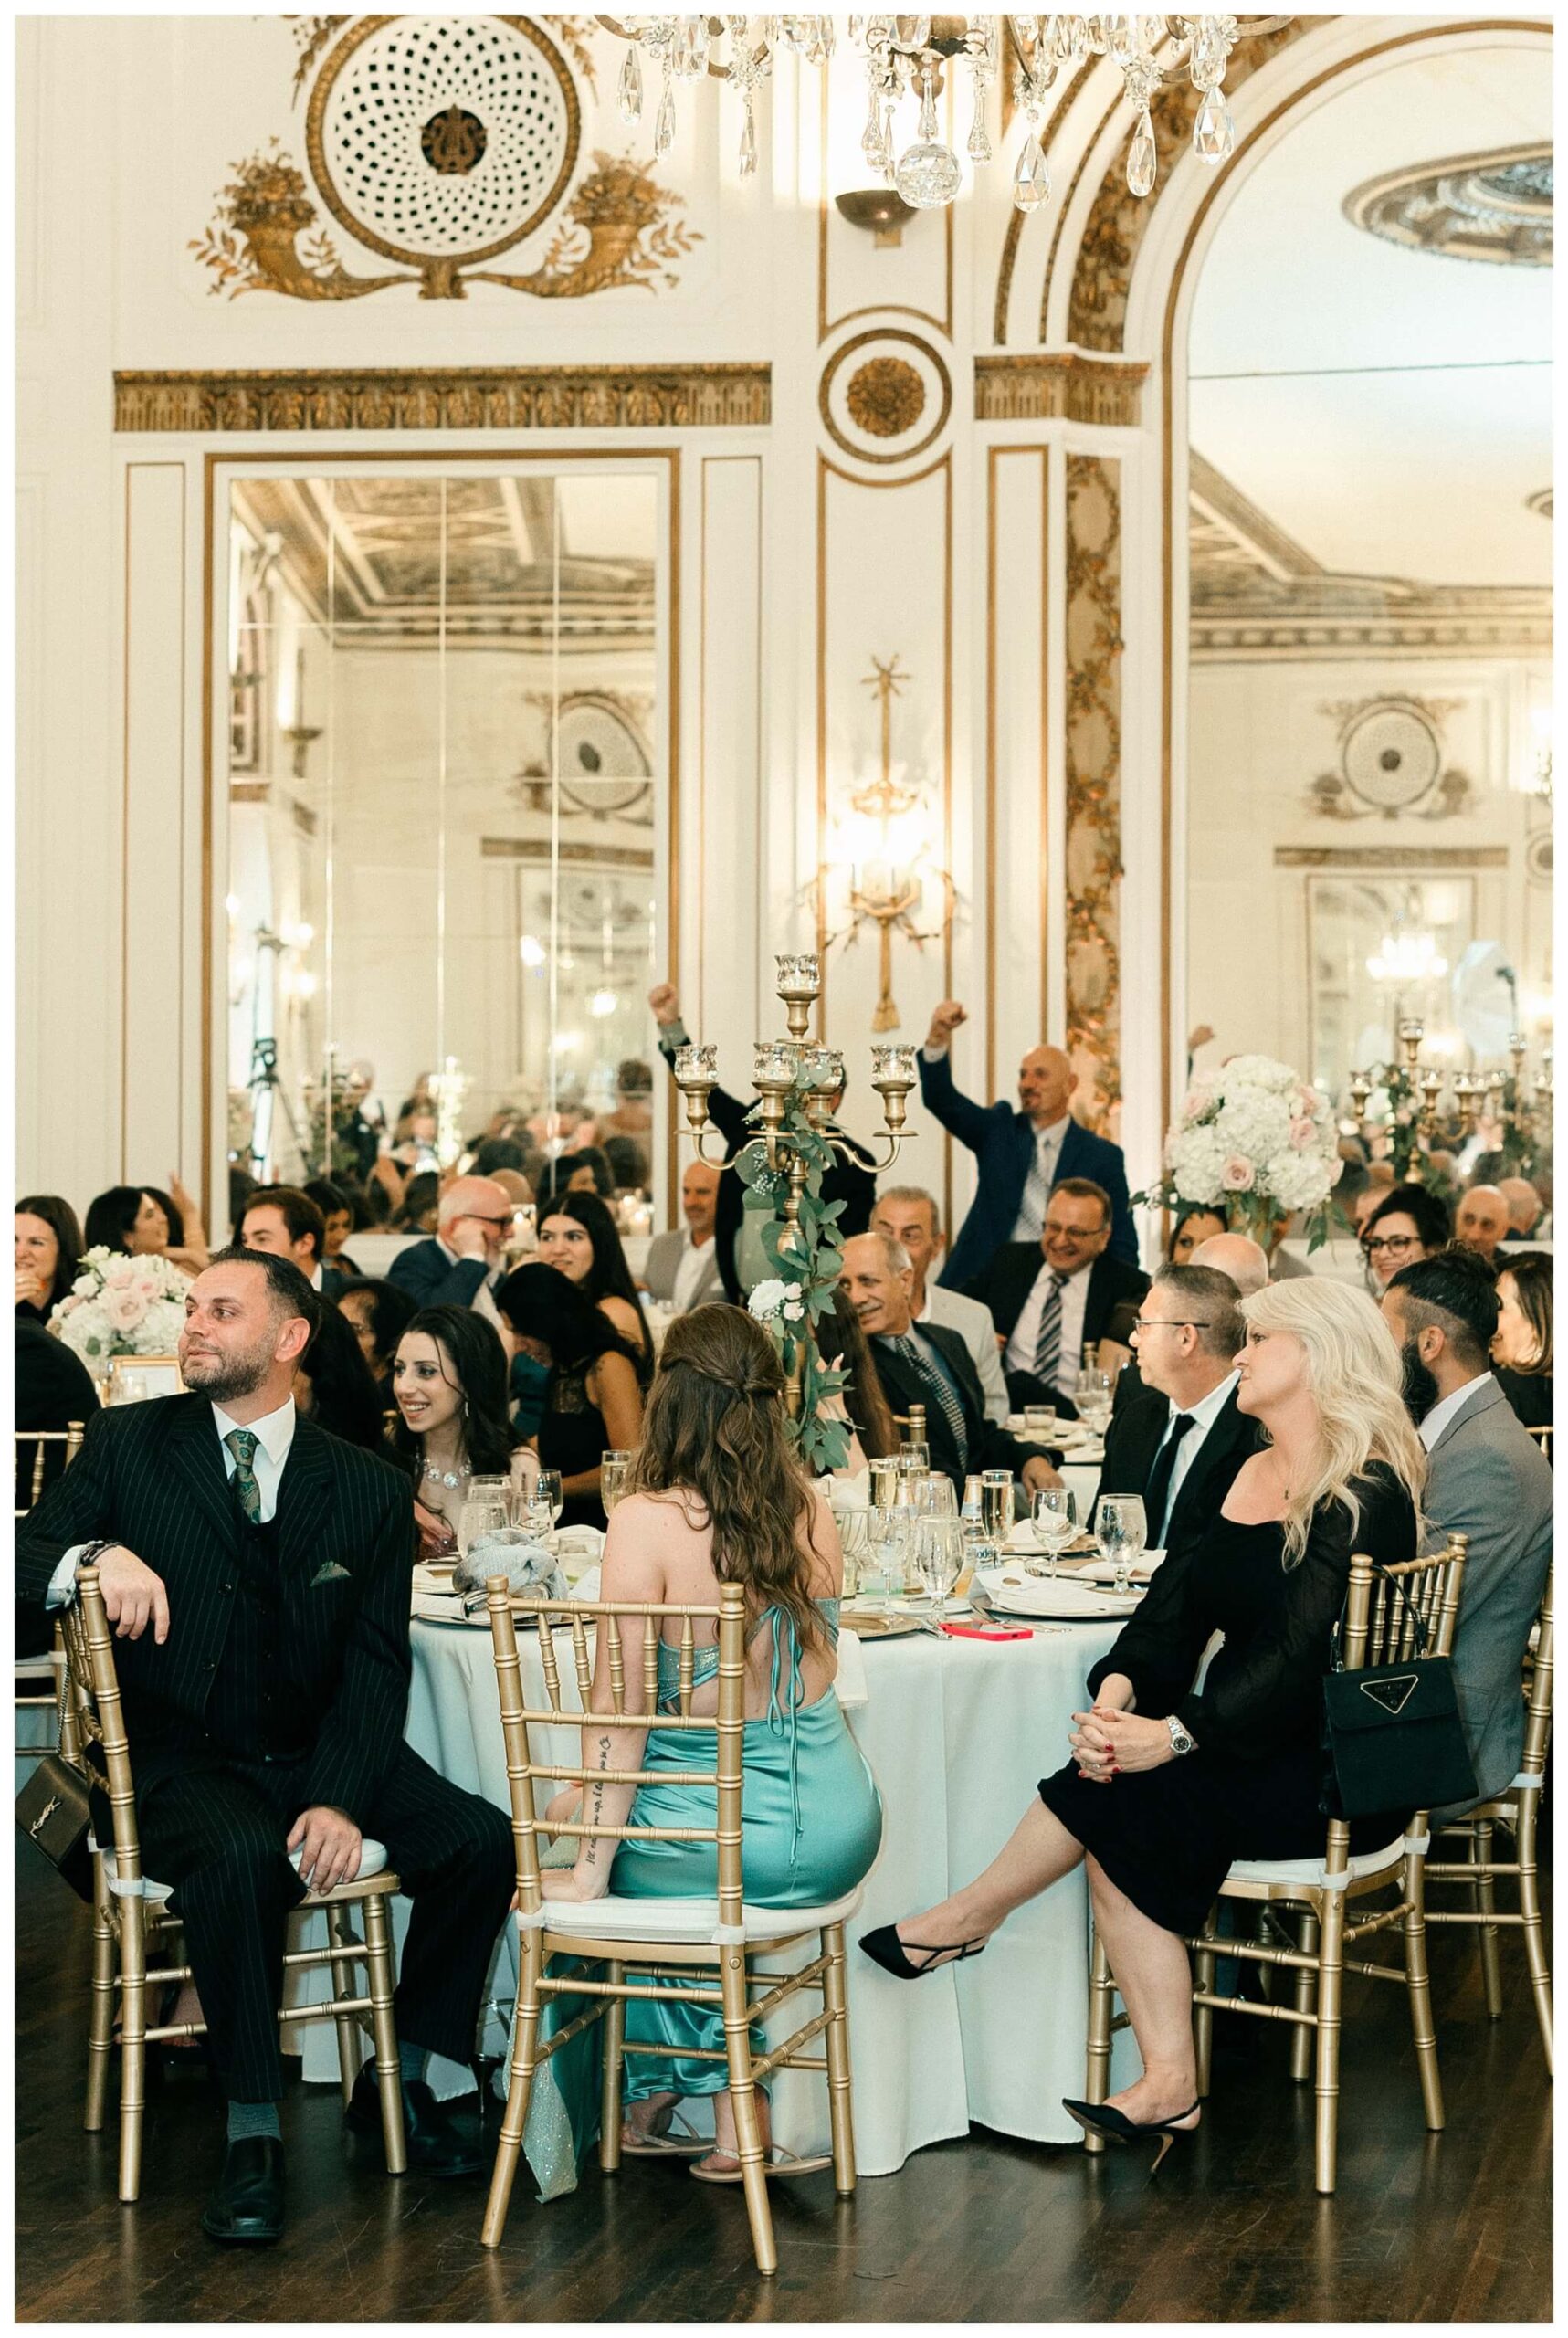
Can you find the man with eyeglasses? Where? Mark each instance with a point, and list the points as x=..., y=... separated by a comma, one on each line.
x=462, y=1262
x=1050, y=1299
x=1181, y=1440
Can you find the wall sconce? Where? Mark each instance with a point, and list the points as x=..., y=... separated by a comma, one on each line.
x=880, y=209
x=881, y=852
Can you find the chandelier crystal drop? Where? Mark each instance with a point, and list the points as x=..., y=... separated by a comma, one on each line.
x=917, y=58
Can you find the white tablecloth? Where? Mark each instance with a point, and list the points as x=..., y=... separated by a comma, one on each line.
x=958, y=1733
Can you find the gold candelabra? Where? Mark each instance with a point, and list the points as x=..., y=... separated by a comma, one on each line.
x=1477, y=1095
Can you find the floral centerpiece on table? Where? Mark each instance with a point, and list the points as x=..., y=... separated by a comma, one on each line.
x=1254, y=1140
x=121, y=1306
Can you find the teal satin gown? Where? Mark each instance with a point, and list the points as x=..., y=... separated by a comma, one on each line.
x=811, y=1826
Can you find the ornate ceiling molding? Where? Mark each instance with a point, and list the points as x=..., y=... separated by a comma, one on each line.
x=517, y=397
x=1494, y=206
x=1048, y=386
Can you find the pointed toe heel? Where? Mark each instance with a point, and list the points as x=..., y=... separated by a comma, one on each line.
x=884, y=1947
x=1104, y=2119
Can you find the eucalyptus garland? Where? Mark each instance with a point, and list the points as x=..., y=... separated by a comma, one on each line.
x=791, y=1304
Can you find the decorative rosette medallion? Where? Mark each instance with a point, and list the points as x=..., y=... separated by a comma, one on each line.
x=886, y=396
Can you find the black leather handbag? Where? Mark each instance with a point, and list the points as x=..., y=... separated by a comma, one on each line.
x=1392, y=1732
x=54, y=1810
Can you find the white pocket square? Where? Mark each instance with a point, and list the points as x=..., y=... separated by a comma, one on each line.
x=331, y=1573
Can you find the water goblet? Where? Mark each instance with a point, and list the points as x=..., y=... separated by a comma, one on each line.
x=1056, y=1522
x=940, y=1561
x=1121, y=1531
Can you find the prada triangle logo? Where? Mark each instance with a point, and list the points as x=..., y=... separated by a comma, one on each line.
x=1391, y=1695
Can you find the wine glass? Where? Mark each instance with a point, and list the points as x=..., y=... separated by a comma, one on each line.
x=1121, y=1531
x=1094, y=1395
x=1056, y=1522
x=940, y=1560
x=547, y=1491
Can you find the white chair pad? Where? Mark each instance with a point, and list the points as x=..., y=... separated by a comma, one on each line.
x=371, y=1861
x=1310, y=1871
x=686, y=1923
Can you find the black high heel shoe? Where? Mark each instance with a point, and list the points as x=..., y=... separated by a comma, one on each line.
x=1103, y=2119
x=884, y=1947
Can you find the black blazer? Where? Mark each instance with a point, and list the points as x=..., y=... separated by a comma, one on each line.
x=1116, y=1291
x=425, y=1271
x=990, y=1447
x=1136, y=1433
x=851, y=1182
x=151, y=1475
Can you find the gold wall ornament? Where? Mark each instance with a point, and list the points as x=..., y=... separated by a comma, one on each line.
x=1093, y=869
x=1044, y=385
x=886, y=397
x=518, y=397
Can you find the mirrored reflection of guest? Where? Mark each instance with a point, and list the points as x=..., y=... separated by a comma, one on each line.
x=587, y=1171
x=449, y=1382
x=378, y=1312
x=46, y=1242
x=1522, y=1348
x=578, y=1234
x=145, y=1222
x=336, y=1206
x=593, y=1404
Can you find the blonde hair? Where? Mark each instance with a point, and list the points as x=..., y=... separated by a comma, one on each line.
x=1357, y=1385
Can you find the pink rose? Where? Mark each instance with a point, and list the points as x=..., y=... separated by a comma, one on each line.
x=1303, y=1133
x=124, y=1309
x=1236, y=1174
x=1195, y=1102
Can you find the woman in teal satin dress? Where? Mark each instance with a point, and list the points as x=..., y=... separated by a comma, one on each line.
x=718, y=1496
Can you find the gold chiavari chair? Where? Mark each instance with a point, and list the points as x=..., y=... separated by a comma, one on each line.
x=1519, y=1810
x=131, y=1917
x=31, y=1449
x=1542, y=1433
x=1379, y=1629
x=659, y=1941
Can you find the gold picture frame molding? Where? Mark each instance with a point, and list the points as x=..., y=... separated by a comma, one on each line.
x=310, y=399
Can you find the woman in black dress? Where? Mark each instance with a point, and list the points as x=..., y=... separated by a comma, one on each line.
x=593, y=1404
x=577, y=1236
x=1168, y=1785
x=47, y=1247
x=1521, y=1351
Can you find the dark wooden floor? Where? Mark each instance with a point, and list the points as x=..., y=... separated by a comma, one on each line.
x=1450, y=2228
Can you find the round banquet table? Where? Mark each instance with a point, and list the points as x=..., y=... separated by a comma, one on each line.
x=957, y=1733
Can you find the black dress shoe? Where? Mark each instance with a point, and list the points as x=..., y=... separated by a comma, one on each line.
x=247, y=2207
x=437, y=2145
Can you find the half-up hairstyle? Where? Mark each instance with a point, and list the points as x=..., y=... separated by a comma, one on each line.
x=715, y=1427
x=1356, y=1379
x=474, y=1363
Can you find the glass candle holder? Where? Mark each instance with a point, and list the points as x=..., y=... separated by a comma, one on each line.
x=696, y=1067
x=892, y=1068
x=776, y=1064
x=799, y=974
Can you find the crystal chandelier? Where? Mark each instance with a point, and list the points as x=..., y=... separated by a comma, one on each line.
x=909, y=56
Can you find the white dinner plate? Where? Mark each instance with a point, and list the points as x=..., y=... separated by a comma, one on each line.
x=1014, y=1593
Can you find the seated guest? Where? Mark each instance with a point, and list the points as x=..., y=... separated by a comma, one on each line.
x=852, y=1179
x=378, y=1313
x=593, y=1403
x=46, y=1242
x=862, y=1402
x=627, y=1162
x=909, y=1214
x=272, y=1720
x=1487, y=1478
x=1052, y=1298
x=464, y=1257
x=1407, y=1225
x=337, y=1209
x=682, y=1266
x=1182, y=1442
x=1235, y=1255
x=632, y=1112
x=577, y=1235
x=1284, y=1266
x=1523, y=1207
x=449, y=1382
x=1193, y=1227
x=335, y=1386
x=718, y=1496
x=585, y=1171
x=1481, y=1221
x=1021, y=1155
x=418, y=1207
x=146, y=1223
x=495, y=1152
x=1521, y=1351
x=1167, y=1783
x=284, y=1220
x=930, y=1366
x=52, y=1389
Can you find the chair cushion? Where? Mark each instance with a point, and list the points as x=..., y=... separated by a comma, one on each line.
x=686, y=1923
x=1310, y=1871
x=371, y=1861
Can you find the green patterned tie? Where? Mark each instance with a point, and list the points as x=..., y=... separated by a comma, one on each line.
x=242, y=1443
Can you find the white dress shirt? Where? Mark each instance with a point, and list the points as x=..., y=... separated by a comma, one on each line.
x=1047, y=1153
x=690, y=1274
x=1437, y=1419
x=274, y=1434
x=1020, y=1352
x=1201, y=1418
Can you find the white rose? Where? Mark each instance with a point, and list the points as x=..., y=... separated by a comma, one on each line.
x=767, y=1300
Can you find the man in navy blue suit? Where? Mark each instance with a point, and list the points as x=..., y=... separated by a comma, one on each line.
x=1021, y=1155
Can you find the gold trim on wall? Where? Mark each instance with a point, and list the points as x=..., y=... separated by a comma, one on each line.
x=1041, y=452
x=1093, y=859
x=433, y=397
x=829, y=375
x=1389, y=856
x=1049, y=385
x=824, y=325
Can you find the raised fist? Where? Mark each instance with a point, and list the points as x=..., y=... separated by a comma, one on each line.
x=945, y=1022
x=665, y=1004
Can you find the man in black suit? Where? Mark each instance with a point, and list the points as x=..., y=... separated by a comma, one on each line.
x=286, y=1221
x=852, y=1180
x=925, y=1363
x=1050, y=1299
x=1181, y=1441
x=264, y=1670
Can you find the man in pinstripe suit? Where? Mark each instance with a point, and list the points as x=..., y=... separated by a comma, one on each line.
x=256, y=1573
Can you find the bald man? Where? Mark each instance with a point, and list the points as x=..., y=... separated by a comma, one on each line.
x=1481, y=1221
x=1523, y=1208
x=1021, y=1155
x=457, y=1266
x=1237, y=1256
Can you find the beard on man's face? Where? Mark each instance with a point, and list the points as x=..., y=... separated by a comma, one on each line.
x=221, y=1377
x=1421, y=1391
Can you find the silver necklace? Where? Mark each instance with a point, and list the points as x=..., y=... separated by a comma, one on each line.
x=447, y=1477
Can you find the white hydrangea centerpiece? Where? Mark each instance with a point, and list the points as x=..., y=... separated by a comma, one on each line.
x=121, y=1306
x=1255, y=1140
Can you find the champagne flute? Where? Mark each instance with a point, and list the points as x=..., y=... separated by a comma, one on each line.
x=1121, y=1531
x=997, y=1502
x=1056, y=1522
x=615, y=1466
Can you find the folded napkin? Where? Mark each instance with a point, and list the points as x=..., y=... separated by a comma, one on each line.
x=527, y=1565
x=850, y=1683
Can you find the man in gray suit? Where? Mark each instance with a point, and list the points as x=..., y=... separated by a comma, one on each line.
x=683, y=1267
x=1487, y=1478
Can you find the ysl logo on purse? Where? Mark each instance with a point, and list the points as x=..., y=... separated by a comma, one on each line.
x=44, y=1816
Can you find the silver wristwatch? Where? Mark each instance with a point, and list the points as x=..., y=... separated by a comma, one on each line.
x=1182, y=1739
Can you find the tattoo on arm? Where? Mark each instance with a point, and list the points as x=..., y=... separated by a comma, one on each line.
x=597, y=1801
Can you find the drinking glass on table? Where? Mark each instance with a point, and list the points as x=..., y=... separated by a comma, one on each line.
x=934, y=1496
x=1121, y=1531
x=615, y=1468
x=542, y=1505
x=884, y=1481
x=940, y=1560
x=486, y=1510
x=1056, y=1522
x=1039, y=1420
x=1094, y=1396
x=997, y=1502
x=914, y=1459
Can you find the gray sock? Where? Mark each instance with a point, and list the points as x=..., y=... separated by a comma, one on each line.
x=253, y=2119
x=411, y=2061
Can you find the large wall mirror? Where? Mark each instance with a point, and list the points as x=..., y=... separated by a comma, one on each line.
x=449, y=791
x=1369, y=818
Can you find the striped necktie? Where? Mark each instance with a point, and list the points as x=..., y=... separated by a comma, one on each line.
x=1031, y=1217
x=933, y=1377
x=1048, y=1346
x=242, y=1443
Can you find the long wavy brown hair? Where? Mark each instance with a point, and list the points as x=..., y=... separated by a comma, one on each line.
x=715, y=1427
